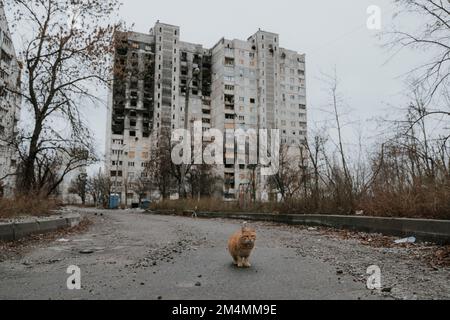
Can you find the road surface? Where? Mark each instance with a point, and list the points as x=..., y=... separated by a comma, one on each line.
x=139, y=256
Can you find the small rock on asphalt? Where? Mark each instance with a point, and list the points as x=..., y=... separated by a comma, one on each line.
x=87, y=251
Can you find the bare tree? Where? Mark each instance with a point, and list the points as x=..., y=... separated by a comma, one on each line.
x=99, y=187
x=202, y=181
x=2, y=189
x=344, y=184
x=66, y=52
x=286, y=180
x=142, y=186
x=433, y=37
x=79, y=186
x=159, y=168
x=53, y=165
x=314, y=150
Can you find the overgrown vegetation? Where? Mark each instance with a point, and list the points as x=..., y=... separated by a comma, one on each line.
x=27, y=206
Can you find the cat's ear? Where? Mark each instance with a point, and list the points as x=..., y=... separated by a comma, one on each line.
x=244, y=225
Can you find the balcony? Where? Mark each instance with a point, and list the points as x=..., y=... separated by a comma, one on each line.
x=228, y=169
x=229, y=62
x=229, y=99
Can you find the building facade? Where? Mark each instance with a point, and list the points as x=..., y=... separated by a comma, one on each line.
x=252, y=84
x=9, y=106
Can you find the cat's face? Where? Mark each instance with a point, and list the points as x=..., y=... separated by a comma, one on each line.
x=248, y=237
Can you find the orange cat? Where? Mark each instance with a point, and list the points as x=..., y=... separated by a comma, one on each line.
x=241, y=245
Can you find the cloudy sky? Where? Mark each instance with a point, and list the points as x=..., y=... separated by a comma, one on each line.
x=333, y=34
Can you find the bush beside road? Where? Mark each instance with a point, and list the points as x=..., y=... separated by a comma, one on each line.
x=30, y=206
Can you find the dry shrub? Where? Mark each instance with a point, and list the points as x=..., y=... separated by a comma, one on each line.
x=27, y=206
x=423, y=203
x=213, y=205
x=427, y=202
x=294, y=206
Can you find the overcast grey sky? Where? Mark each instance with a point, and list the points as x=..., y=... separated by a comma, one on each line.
x=331, y=33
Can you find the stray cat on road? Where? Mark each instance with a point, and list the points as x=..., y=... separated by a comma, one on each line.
x=241, y=245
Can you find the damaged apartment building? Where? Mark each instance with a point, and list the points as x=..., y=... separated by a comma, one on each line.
x=252, y=84
x=9, y=107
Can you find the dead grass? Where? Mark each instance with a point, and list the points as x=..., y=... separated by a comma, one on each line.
x=214, y=205
x=427, y=206
x=428, y=202
x=27, y=206
x=218, y=205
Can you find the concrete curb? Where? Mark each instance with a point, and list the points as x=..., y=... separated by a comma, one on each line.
x=19, y=230
x=437, y=231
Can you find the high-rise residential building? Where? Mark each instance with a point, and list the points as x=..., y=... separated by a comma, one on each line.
x=257, y=85
x=9, y=106
x=252, y=84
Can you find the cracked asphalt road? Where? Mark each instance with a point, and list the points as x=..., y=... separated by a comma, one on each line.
x=138, y=256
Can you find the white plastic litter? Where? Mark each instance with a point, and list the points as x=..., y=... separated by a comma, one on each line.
x=406, y=240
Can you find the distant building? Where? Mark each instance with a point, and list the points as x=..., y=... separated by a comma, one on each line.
x=9, y=106
x=257, y=85
x=253, y=84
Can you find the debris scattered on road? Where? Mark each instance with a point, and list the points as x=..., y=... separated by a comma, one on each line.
x=87, y=251
x=440, y=258
x=53, y=261
x=198, y=284
x=406, y=240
